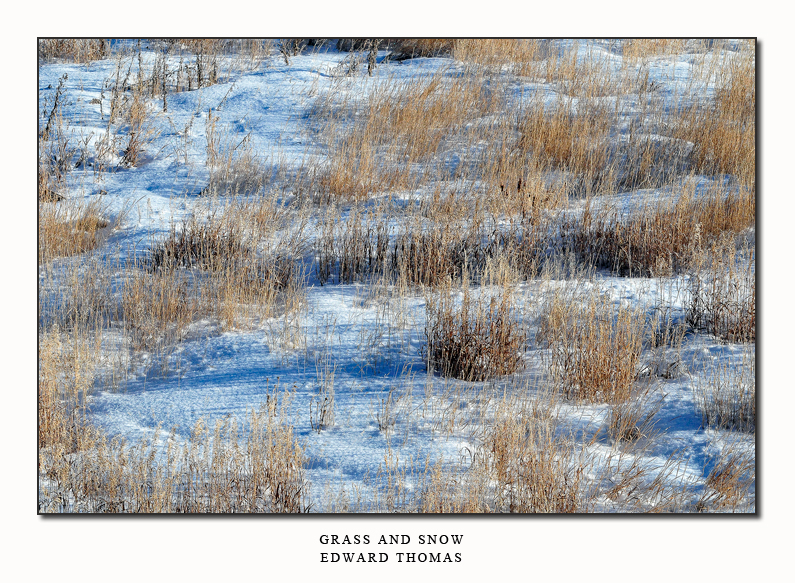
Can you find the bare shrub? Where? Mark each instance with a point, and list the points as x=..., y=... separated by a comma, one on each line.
x=475, y=340
x=205, y=67
x=290, y=47
x=55, y=153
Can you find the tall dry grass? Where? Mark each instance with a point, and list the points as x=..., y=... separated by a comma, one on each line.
x=492, y=172
x=731, y=483
x=663, y=237
x=475, y=339
x=391, y=138
x=226, y=266
x=726, y=395
x=593, y=346
x=722, y=288
x=72, y=50
x=723, y=128
x=70, y=227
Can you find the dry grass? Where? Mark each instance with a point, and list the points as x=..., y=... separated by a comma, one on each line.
x=321, y=407
x=565, y=140
x=633, y=418
x=722, y=288
x=157, y=308
x=214, y=245
x=474, y=340
x=420, y=252
x=594, y=346
x=73, y=50
x=352, y=250
x=234, y=167
x=70, y=227
x=433, y=257
x=726, y=395
x=229, y=468
x=535, y=470
x=730, y=483
x=662, y=238
x=521, y=462
x=376, y=145
x=409, y=48
x=523, y=458
x=724, y=128
x=491, y=173
x=518, y=55
x=224, y=268
x=580, y=142
x=140, y=128
x=644, y=48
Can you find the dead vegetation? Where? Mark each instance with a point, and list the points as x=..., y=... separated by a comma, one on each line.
x=73, y=50
x=593, y=345
x=70, y=228
x=726, y=395
x=722, y=288
x=662, y=238
x=476, y=340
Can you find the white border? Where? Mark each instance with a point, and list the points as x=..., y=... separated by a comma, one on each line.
x=530, y=548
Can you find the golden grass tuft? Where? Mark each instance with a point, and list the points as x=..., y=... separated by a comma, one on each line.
x=70, y=227
x=594, y=347
x=724, y=128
